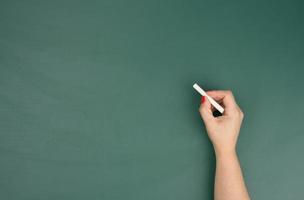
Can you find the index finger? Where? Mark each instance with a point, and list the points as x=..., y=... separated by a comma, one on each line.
x=224, y=96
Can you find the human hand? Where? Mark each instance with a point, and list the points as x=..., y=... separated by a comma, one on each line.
x=223, y=131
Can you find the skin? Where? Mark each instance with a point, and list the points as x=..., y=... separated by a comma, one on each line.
x=223, y=132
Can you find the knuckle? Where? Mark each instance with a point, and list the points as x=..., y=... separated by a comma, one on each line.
x=201, y=109
x=229, y=92
x=241, y=113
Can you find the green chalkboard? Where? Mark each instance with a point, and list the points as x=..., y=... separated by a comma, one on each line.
x=96, y=97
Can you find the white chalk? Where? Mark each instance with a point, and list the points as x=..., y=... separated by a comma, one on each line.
x=212, y=101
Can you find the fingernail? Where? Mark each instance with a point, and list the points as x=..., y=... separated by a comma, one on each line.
x=203, y=99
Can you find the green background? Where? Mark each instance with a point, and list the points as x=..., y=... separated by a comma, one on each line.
x=97, y=99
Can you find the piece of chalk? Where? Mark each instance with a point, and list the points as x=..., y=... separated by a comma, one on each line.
x=212, y=101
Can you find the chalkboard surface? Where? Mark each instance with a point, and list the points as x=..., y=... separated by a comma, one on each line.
x=96, y=97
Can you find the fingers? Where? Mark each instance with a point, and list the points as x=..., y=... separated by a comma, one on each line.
x=224, y=96
x=206, y=110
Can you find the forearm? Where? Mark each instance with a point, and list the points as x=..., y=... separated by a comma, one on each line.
x=229, y=182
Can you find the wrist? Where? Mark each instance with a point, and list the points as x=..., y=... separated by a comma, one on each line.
x=225, y=152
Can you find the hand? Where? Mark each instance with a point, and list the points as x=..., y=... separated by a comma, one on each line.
x=223, y=131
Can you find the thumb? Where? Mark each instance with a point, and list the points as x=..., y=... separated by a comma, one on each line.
x=206, y=111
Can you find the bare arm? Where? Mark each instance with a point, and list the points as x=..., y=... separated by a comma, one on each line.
x=223, y=132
